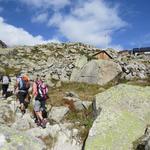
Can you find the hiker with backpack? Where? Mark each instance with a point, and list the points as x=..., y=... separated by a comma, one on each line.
x=22, y=87
x=5, y=79
x=40, y=91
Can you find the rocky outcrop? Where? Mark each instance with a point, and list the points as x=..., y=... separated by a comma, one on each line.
x=63, y=137
x=57, y=113
x=64, y=61
x=2, y=44
x=124, y=113
x=97, y=72
x=12, y=139
x=135, y=70
x=143, y=143
x=19, y=131
x=6, y=114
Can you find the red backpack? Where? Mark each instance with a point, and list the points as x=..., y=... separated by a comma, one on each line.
x=42, y=91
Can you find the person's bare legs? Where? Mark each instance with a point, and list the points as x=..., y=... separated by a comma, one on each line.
x=39, y=115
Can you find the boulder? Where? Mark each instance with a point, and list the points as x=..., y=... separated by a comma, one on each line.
x=65, y=141
x=51, y=130
x=2, y=44
x=15, y=140
x=6, y=114
x=97, y=72
x=135, y=70
x=80, y=62
x=78, y=105
x=73, y=101
x=86, y=104
x=57, y=113
x=24, y=123
x=71, y=94
x=123, y=115
x=143, y=142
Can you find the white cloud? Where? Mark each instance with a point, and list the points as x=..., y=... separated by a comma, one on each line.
x=55, y=19
x=40, y=18
x=92, y=22
x=12, y=35
x=53, y=4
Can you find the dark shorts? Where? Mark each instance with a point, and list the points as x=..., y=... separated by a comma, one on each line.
x=22, y=96
x=4, y=88
x=39, y=105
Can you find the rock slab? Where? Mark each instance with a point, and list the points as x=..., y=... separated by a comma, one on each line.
x=96, y=72
x=122, y=119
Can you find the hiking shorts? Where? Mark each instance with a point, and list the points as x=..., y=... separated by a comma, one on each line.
x=39, y=105
x=21, y=96
x=4, y=88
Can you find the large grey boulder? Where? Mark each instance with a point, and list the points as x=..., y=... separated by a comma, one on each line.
x=124, y=113
x=80, y=62
x=58, y=113
x=23, y=123
x=97, y=72
x=65, y=142
x=11, y=139
x=6, y=114
x=62, y=135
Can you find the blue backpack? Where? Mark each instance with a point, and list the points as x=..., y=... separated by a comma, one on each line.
x=23, y=85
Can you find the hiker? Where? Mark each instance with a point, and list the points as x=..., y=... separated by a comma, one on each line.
x=22, y=87
x=5, y=79
x=40, y=91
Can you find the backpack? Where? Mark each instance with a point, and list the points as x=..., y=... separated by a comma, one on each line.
x=5, y=80
x=23, y=84
x=42, y=91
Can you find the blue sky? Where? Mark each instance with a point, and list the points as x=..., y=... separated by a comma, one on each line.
x=120, y=24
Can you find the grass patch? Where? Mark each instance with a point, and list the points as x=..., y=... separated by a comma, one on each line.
x=85, y=92
x=49, y=141
x=82, y=121
x=143, y=83
x=12, y=70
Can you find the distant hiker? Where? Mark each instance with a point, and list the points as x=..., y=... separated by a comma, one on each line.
x=5, y=79
x=22, y=87
x=40, y=91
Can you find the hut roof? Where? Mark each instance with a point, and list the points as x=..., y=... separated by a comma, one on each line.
x=103, y=51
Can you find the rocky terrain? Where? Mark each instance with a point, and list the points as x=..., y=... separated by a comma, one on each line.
x=94, y=104
x=2, y=44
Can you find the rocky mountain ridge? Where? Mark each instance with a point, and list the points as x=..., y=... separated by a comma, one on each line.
x=69, y=122
x=58, y=61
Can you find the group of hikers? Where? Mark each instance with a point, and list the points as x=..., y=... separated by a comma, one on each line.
x=21, y=90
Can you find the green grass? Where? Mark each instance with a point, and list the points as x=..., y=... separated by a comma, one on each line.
x=82, y=121
x=85, y=92
x=10, y=71
x=84, y=117
x=49, y=141
x=145, y=82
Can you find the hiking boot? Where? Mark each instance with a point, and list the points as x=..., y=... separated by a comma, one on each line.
x=38, y=122
x=43, y=123
x=23, y=111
